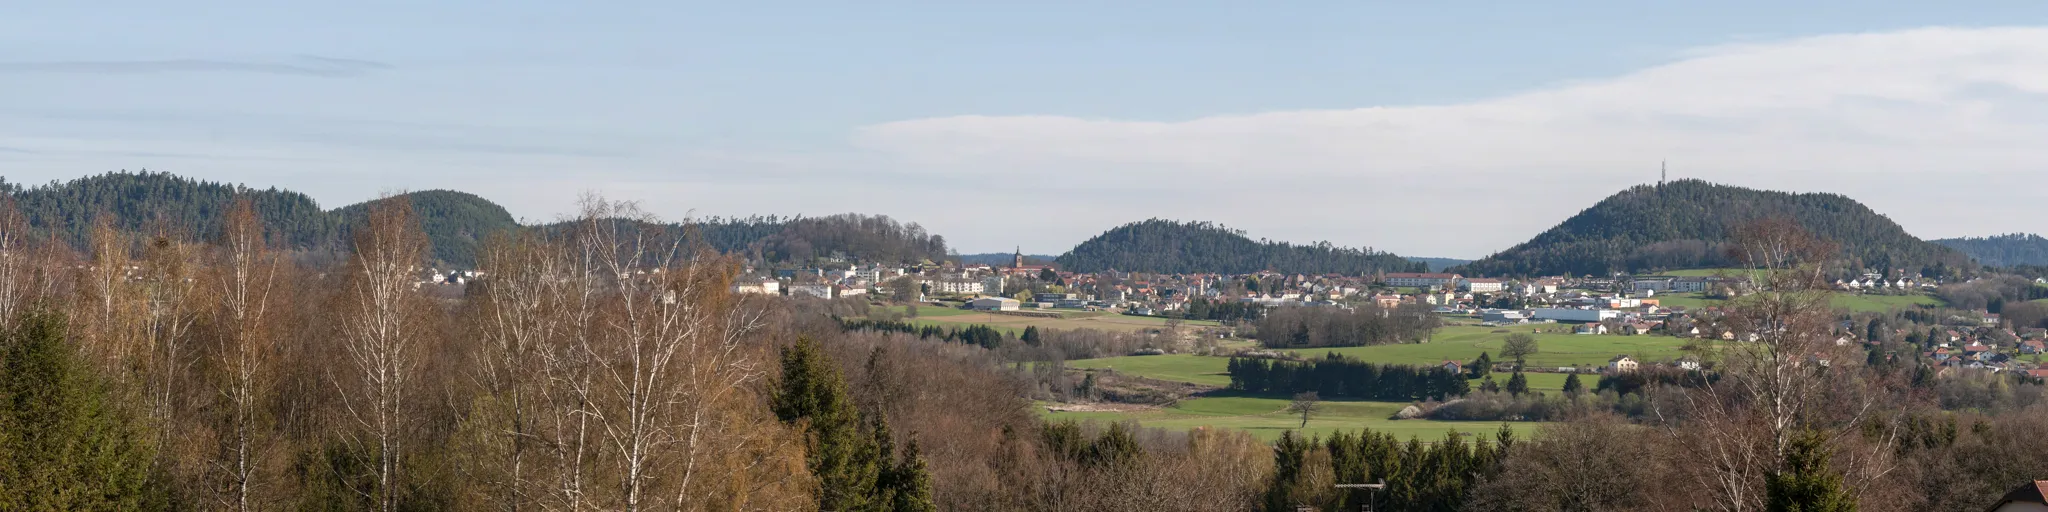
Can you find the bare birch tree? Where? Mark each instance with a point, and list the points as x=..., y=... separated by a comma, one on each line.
x=16, y=260
x=521, y=304
x=1780, y=376
x=380, y=336
x=243, y=275
x=667, y=354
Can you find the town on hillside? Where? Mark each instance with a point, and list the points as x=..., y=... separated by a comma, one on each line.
x=1681, y=306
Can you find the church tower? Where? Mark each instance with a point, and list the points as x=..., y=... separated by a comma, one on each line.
x=1017, y=260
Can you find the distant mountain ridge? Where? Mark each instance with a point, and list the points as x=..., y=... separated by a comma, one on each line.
x=457, y=223
x=1685, y=224
x=2008, y=250
x=1440, y=264
x=1166, y=246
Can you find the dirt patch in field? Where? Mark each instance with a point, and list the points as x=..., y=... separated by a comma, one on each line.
x=1099, y=407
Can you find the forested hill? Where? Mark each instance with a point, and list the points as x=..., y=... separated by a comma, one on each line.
x=1684, y=224
x=145, y=201
x=2004, y=250
x=1193, y=247
x=457, y=223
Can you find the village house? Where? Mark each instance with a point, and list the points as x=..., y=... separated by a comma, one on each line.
x=818, y=290
x=1688, y=363
x=1621, y=363
x=2032, y=497
x=1484, y=285
x=1591, y=328
x=1420, y=280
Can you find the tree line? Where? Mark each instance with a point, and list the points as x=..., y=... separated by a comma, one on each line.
x=1303, y=327
x=1339, y=376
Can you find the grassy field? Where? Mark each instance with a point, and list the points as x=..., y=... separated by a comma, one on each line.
x=1211, y=371
x=1464, y=343
x=1881, y=303
x=1858, y=303
x=1069, y=319
x=1266, y=418
x=1204, y=370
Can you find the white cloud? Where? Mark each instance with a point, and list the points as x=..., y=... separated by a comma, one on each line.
x=1890, y=118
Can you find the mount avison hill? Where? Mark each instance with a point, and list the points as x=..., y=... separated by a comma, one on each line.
x=1685, y=224
x=455, y=222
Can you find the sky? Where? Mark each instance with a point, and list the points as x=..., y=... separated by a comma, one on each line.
x=1451, y=129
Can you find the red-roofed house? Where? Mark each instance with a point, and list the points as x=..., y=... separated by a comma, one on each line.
x=2032, y=497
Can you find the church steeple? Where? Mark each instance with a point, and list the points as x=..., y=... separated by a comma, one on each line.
x=1017, y=260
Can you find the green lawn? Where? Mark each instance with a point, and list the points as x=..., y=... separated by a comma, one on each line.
x=1266, y=418
x=1553, y=348
x=1858, y=303
x=924, y=311
x=1881, y=303
x=1204, y=370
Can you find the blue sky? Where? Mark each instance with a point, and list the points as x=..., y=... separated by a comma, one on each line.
x=1427, y=128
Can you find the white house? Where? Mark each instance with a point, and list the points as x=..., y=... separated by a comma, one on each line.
x=1419, y=280
x=1484, y=285
x=956, y=286
x=764, y=286
x=1621, y=363
x=1689, y=363
x=819, y=290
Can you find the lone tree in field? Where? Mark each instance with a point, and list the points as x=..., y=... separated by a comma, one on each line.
x=1519, y=347
x=1572, y=386
x=1305, y=404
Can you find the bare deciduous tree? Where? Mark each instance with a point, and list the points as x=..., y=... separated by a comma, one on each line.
x=243, y=275
x=1777, y=378
x=380, y=334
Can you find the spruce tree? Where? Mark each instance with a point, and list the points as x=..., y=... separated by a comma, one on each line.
x=1572, y=386
x=1517, y=385
x=1488, y=385
x=812, y=394
x=913, y=482
x=63, y=444
x=1805, y=483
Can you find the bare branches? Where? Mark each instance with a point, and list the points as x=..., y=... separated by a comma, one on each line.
x=380, y=332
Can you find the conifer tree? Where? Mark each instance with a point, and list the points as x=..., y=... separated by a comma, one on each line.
x=913, y=482
x=1572, y=386
x=63, y=444
x=1805, y=483
x=1517, y=385
x=812, y=394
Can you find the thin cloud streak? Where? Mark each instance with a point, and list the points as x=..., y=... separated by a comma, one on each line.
x=301, y=66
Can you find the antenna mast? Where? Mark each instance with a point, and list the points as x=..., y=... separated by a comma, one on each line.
x=1663, y=172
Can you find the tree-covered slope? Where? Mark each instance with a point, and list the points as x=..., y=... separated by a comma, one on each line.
x=456, y=222
x=146, y=201
x=1684, y=224
x=2003, y=250
x=1191, y=247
